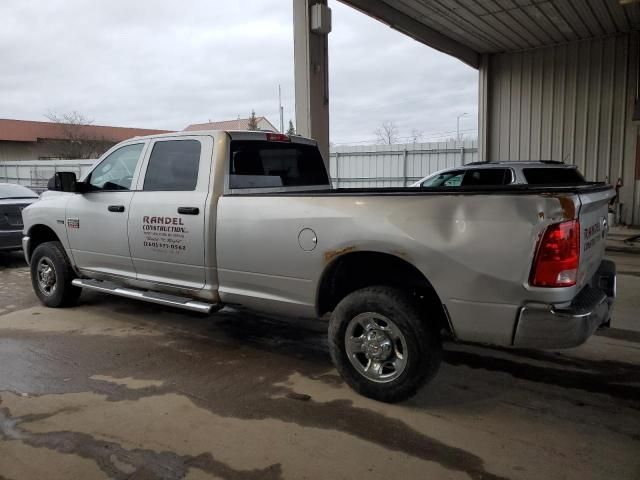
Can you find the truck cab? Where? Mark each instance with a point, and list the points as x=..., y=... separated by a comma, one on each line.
x=146, y=213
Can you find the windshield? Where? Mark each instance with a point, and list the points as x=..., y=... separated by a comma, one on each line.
x=10, y=191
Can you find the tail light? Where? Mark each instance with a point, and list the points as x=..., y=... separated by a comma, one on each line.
x=557, y=256
x=278, y=137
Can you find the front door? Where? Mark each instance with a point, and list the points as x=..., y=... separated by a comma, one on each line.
x=167, y=217
x=97, y=220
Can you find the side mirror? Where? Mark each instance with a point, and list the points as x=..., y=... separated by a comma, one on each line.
x=63, y=182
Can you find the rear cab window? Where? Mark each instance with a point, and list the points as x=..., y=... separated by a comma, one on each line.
x=257, y=164
x=553, y=176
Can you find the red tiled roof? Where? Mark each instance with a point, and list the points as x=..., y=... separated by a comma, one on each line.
x=28, y=131
x=238, y=124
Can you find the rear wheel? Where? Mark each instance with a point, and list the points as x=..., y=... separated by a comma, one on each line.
x=51, y=276
x=382, y=344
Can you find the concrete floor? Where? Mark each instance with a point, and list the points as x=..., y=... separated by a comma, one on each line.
x=119, y=389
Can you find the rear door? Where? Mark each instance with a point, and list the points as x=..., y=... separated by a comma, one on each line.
x=266, y=245
x=167, y=217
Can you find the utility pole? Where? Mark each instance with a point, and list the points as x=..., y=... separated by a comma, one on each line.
x=458, y=125
x=280, y=109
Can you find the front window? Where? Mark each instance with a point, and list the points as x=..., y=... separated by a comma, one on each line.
x=445, y=179
x=116, y=171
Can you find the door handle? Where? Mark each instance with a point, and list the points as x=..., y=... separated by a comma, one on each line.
x=116, y=208
x=188, y=210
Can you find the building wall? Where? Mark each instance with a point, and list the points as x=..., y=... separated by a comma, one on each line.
x=51, y=149
x=572, y=102
x=16, y=151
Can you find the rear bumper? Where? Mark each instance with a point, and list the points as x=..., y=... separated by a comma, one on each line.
x=545, y=326
x=11, y=240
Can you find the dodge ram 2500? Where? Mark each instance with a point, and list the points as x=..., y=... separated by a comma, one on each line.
x=200, y=220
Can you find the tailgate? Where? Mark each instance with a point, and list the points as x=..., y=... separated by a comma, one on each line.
x=594, y=226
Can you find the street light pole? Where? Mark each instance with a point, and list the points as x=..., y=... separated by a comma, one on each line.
x=280, y=109
x=458, y=125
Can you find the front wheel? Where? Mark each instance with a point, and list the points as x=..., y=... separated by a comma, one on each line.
x=51, y=276
x=382, y=344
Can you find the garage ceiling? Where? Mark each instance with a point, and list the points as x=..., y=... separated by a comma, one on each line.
x=467, y=27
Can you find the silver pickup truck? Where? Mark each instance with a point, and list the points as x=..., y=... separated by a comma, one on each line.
x=200, y=220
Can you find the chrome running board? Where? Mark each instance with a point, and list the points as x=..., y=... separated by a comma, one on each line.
x=144, y=295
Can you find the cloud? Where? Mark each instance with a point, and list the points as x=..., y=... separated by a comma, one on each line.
x=161, y=64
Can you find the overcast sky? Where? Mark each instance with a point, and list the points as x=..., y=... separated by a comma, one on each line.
x=162, y=64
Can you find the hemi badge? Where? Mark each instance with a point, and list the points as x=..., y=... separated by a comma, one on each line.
x=61, y=222
x=73, y=222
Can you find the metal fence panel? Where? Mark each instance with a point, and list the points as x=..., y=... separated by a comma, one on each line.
x=396, y=165
x=36, y=173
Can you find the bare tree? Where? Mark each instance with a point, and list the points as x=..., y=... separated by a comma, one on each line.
x=417, y=135
x=253, y=121
x=77, y=139
x=387, y=133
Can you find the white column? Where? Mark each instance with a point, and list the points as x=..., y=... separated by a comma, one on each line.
x=483, y=109
x=311, y=66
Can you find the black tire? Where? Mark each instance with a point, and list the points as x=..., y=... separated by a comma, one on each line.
x=421, y=335
x=64, y=294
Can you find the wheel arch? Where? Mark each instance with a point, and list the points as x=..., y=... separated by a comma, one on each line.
x=39, y=234
x=354, y=270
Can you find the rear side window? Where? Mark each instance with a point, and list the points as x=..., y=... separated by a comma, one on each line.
x=173, y=166
x=552, y=176
x=263, y=164
x=487, y=177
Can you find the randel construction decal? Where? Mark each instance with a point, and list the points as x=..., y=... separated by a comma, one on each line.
x=164, y=234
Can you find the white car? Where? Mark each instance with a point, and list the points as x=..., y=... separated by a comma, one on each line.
x=504, y=173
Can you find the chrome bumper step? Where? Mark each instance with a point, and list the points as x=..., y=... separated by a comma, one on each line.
x=146, y=296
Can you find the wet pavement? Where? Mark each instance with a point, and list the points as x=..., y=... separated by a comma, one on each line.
x=119, y=389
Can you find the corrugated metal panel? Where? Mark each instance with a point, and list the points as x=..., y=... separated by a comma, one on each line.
x=493, y=26
x=571, y=102
x=396, y=165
